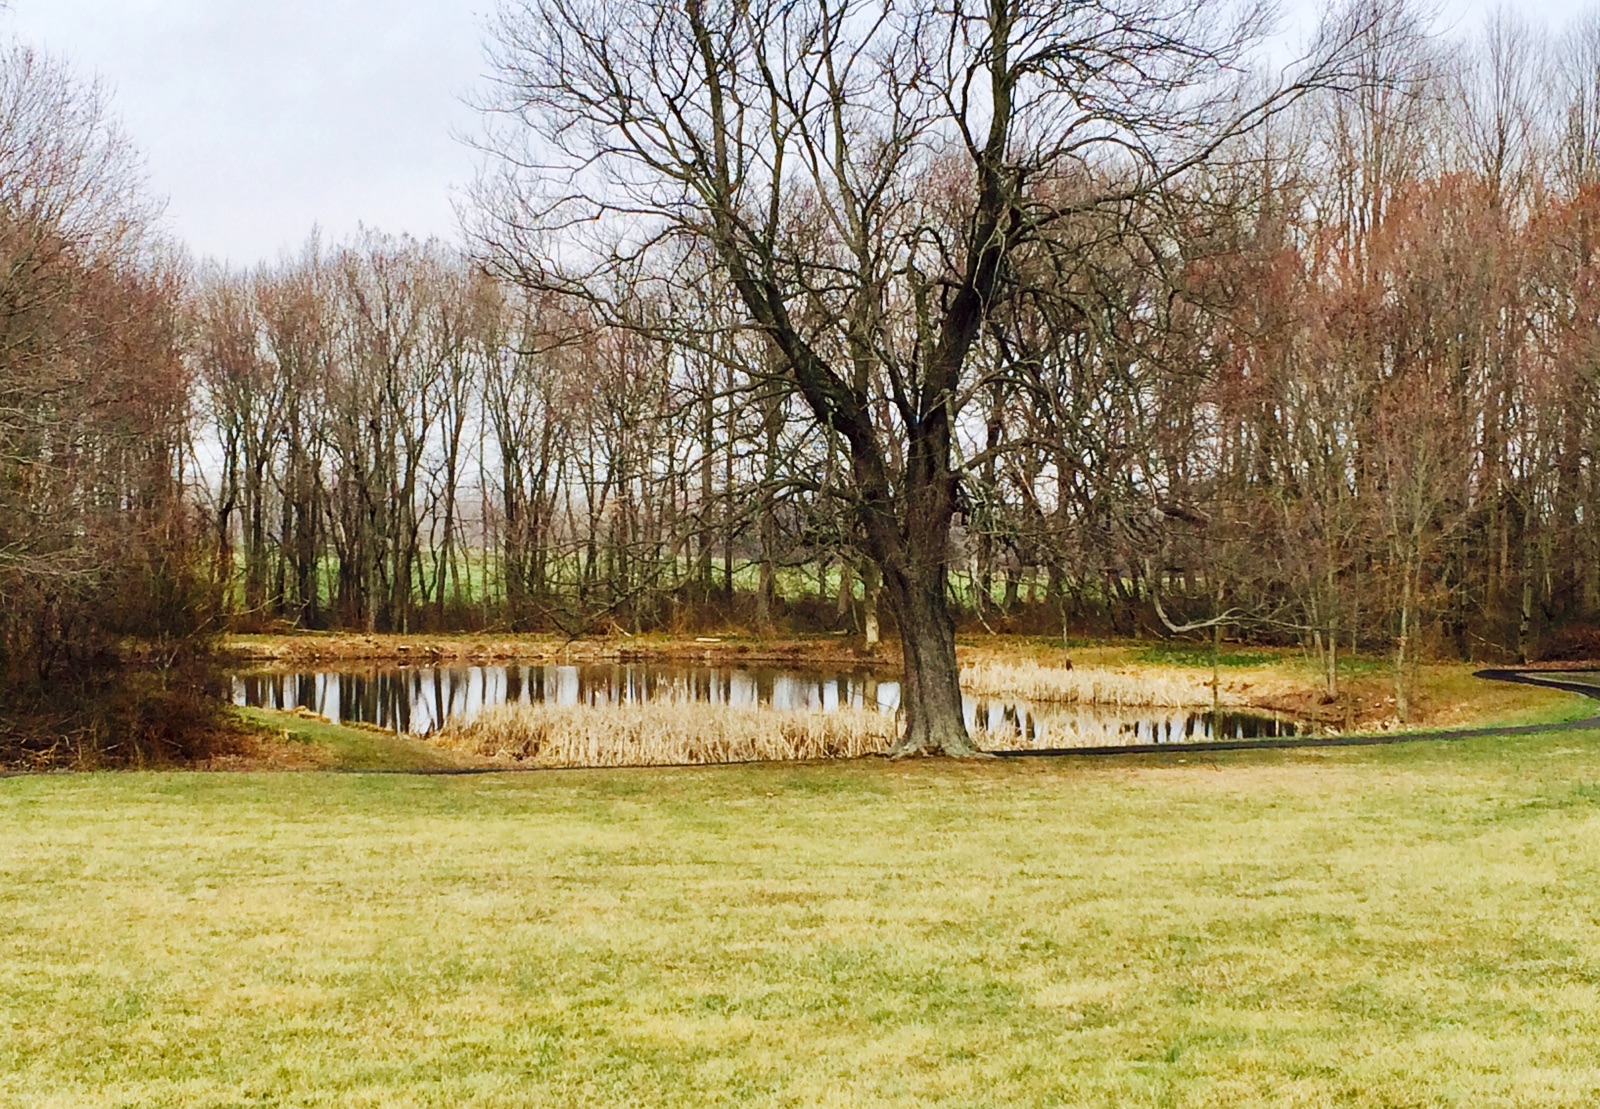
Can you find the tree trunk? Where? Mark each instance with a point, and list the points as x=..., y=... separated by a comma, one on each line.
x=707, y=538
x=870, y=579
x=931, y=693
x=1402, y=657
x=1525, y=610
x=1216, y=672
x=766, y=587
x=1330, y=665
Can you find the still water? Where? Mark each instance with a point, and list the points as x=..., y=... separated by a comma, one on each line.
x=419, y=699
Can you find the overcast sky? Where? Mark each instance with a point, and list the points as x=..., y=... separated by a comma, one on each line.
x=262, y=118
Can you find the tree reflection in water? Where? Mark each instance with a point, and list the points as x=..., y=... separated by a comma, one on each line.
x=420, y=699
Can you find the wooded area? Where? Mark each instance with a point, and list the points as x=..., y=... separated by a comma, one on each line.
x=1031, y=317
x=99, y=515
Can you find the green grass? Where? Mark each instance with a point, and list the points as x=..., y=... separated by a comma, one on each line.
x=1179, y=653
x=1402, y=926
x=350, y=748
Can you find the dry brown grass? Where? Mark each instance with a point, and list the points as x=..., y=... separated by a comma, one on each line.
x=666, y=734
x=1144, y=686
x=688, y=733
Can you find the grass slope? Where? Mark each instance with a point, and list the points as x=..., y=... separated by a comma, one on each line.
x=1411, y=926
x=344, y=748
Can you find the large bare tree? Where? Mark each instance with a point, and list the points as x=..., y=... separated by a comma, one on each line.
x=865, y=173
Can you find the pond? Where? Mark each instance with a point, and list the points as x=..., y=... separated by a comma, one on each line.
x=419, y=699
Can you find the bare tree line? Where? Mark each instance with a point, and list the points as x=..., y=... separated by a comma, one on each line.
x=1308, y=359
x=1333, y=380
x=96, y=525
x=1031, y=316
x=402, y=442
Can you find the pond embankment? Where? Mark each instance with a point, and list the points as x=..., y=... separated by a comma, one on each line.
x=535, y=701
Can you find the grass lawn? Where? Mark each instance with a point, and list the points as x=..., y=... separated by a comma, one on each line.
x=349, y=748
x=1403, y=926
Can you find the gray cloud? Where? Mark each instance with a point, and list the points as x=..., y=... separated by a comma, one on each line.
x=261, y=119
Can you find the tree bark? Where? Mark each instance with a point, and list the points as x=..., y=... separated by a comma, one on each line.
x=931, y=691
x=871, y=585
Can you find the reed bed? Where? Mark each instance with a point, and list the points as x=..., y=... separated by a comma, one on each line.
x=1145, y=686
x=666, y=733
x=688, y=732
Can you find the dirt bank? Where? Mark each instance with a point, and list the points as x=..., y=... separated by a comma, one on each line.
x=336, y=648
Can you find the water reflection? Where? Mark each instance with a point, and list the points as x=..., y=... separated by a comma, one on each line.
x=1014, y=725
x=421, y=699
